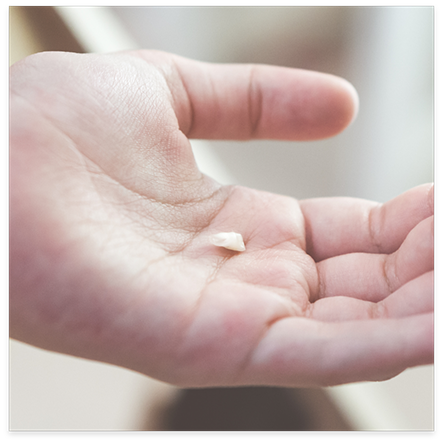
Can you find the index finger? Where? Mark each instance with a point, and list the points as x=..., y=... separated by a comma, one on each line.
x=234, y=101
x=340, y=225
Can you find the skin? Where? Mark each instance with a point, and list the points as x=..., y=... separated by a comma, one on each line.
x=110, y=221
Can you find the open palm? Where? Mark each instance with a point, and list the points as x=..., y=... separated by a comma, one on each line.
x=110, y=257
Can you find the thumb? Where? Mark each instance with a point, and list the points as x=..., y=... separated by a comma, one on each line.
x=228, y=101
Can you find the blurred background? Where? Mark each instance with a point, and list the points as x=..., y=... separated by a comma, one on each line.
x=388, y=55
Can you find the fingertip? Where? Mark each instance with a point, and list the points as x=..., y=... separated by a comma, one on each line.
x=331, y=105
x=354, y=98
x=347, y=104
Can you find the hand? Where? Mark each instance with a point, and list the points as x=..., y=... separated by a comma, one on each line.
x=110, y=222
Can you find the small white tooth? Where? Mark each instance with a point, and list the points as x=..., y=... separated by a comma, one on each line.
x=228, y=240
